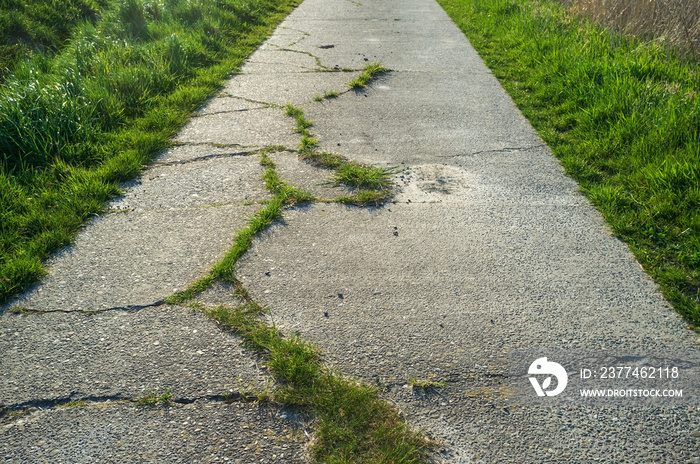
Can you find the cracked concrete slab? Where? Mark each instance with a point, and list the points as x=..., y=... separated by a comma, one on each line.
x=135, y=258
x=112, y=432
x=60, y=356
x=254, y=128
x=557, y=259
x=284, y=88
x=519, y=276
x=424, y=48
x=225, y=180
x=487, y=248
x=273, y=60
x=412, y=118
x=185, y=153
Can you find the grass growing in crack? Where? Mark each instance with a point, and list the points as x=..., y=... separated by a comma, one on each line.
x=326, y=96
x=426, y=384
x=77, y=121
x=303, y=124
x=14, y=414
x=354, y=425
x=283, y=195
x=620, y=113
x=307, y=144
x=278, y=187
x=371, y=71
x=258, y=223
x=154, y=397
x=246, y=394
x=323, y=159
x=362, y=176
x=74, y=404
x=372, y=185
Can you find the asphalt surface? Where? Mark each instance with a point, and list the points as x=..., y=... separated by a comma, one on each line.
x=486, y=249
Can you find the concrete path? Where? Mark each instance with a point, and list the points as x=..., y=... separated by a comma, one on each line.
x=486, y=249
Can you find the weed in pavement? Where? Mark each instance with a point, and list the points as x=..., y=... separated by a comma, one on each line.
x=372, y=185
x=154, y=397
x=426, y=384
x=354, y=425
x=371, y=71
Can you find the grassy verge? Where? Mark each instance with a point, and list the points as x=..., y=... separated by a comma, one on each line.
x=41, y=25
x=622, y=115
x=75, y=123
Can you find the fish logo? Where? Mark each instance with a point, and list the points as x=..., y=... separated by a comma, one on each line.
x=543, y=367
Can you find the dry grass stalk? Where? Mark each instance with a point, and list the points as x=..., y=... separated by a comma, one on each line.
x=673, y=21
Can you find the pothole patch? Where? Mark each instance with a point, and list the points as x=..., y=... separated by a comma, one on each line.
x=432, y=183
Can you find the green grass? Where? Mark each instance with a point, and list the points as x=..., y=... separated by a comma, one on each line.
x=354, y=424
x=74, y=404
x=279, y=188
x=426, y=384
x=371, y=71
x=622, y=115
x=75, y=123
x=361, y=176
x=152, y=398
x=40, y=25
x=327, y=95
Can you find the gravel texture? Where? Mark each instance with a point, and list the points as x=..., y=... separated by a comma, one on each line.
x=201, y=432
x=57, y=357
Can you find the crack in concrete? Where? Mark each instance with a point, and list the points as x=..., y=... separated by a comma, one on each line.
x=16, y=411
x=316, y=58
x=201, y=115
x=499, y=150
x=306, y=34
x=205, y=158
x=213, y=145
x=126, y=308
x=225, y=94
